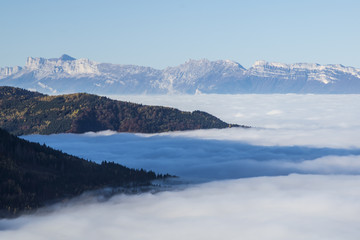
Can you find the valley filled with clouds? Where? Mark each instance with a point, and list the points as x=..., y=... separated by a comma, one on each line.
x=293, y=175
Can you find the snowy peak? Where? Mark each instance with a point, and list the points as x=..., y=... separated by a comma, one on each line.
x=65, y=57
x=198, y=75
x=34, y=63
x=309, y=71
x=60, y=67
x=304, y=66
x=194, y=69
x=8, y=71
x=209, y=65
x=271, y=65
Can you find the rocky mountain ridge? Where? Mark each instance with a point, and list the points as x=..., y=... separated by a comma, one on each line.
x=67, y=75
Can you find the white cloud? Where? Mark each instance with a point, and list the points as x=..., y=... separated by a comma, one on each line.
x=233, y=152
x=292, y=207
x=279, y=135
x=100, y=133
x=307, y=111
x=307, y=134
x=291, y=119
x=328, y=165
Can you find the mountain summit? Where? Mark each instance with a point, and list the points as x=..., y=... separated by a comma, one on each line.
x=68, y=75
x=66, y=57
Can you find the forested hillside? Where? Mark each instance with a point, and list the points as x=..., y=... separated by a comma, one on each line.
x=31, y=175
x=23, y=112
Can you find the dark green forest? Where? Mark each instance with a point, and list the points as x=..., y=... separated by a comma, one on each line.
x=23, y=112
x=32, y=175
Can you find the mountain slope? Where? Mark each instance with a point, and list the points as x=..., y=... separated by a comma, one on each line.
x=31, y=175
x=69, y=75
x=23, y=112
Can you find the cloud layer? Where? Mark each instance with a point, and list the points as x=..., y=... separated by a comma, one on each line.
x=292, y=207
x=315, y=136
x=291, y=119
x=202, y=159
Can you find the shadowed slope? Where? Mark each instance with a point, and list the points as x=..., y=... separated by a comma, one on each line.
x=32, y=174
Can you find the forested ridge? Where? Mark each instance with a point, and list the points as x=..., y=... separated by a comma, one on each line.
x=23, y=112
x=31, y=175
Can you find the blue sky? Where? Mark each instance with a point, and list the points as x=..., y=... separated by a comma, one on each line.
x=167, y=33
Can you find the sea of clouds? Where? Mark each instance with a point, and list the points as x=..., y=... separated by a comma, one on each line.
x=198, y=159
x=294, y=175
x=295, y=207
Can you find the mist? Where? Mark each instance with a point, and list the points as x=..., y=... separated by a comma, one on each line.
x=294, y=175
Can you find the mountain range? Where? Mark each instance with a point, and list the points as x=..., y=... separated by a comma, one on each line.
x=69, y=75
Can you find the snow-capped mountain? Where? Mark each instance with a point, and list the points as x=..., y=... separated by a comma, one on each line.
x=201, y=75
x=67, y=74
x=307, y=77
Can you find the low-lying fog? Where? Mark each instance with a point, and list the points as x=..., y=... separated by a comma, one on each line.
x=306, y=146
x=294, y=207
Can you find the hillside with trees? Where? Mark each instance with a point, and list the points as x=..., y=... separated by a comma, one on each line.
x=32, y=175
x=23, y=112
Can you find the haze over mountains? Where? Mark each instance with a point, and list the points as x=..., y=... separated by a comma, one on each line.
x=67, y=75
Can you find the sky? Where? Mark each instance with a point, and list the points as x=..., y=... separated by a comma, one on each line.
x=163, y=33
